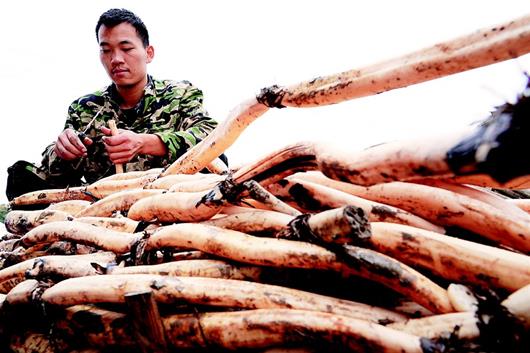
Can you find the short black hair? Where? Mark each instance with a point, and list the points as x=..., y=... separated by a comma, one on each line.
x=114, y=17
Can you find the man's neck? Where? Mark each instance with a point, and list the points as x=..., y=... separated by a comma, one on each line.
x=131, y=95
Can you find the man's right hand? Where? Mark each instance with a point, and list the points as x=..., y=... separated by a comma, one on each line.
x=69, y=146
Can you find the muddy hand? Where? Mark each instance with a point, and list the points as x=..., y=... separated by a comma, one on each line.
x=70, y=145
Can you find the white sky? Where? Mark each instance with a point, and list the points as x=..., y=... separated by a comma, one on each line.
x=231, y=49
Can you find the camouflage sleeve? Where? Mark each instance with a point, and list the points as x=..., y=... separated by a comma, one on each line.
x=192, y=124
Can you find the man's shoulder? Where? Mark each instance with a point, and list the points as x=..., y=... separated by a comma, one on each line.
x=172, y=87
x=94, y=98
x=171, y=83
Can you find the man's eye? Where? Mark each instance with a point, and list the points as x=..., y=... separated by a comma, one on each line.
x=127, y=49
x=105, y=51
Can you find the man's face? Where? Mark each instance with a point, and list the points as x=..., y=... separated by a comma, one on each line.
x=123, y=55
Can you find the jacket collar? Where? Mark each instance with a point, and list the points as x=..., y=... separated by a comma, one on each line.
x=112, y=93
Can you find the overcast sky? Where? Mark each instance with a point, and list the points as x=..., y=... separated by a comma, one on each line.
x=231, y=49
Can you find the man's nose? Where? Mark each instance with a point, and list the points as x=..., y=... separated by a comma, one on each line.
x=117, y=57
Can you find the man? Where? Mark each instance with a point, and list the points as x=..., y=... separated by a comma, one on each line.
x=158, y=120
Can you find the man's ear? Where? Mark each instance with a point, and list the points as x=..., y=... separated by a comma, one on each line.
x=150, y=53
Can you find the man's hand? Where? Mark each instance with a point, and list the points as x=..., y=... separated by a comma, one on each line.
x=68, y=145
x=127, y=144
x=123, y=147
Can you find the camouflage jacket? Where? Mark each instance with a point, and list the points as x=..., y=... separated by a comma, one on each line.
x=171, y=110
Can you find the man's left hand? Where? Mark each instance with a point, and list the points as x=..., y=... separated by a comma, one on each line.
x=122, y=147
